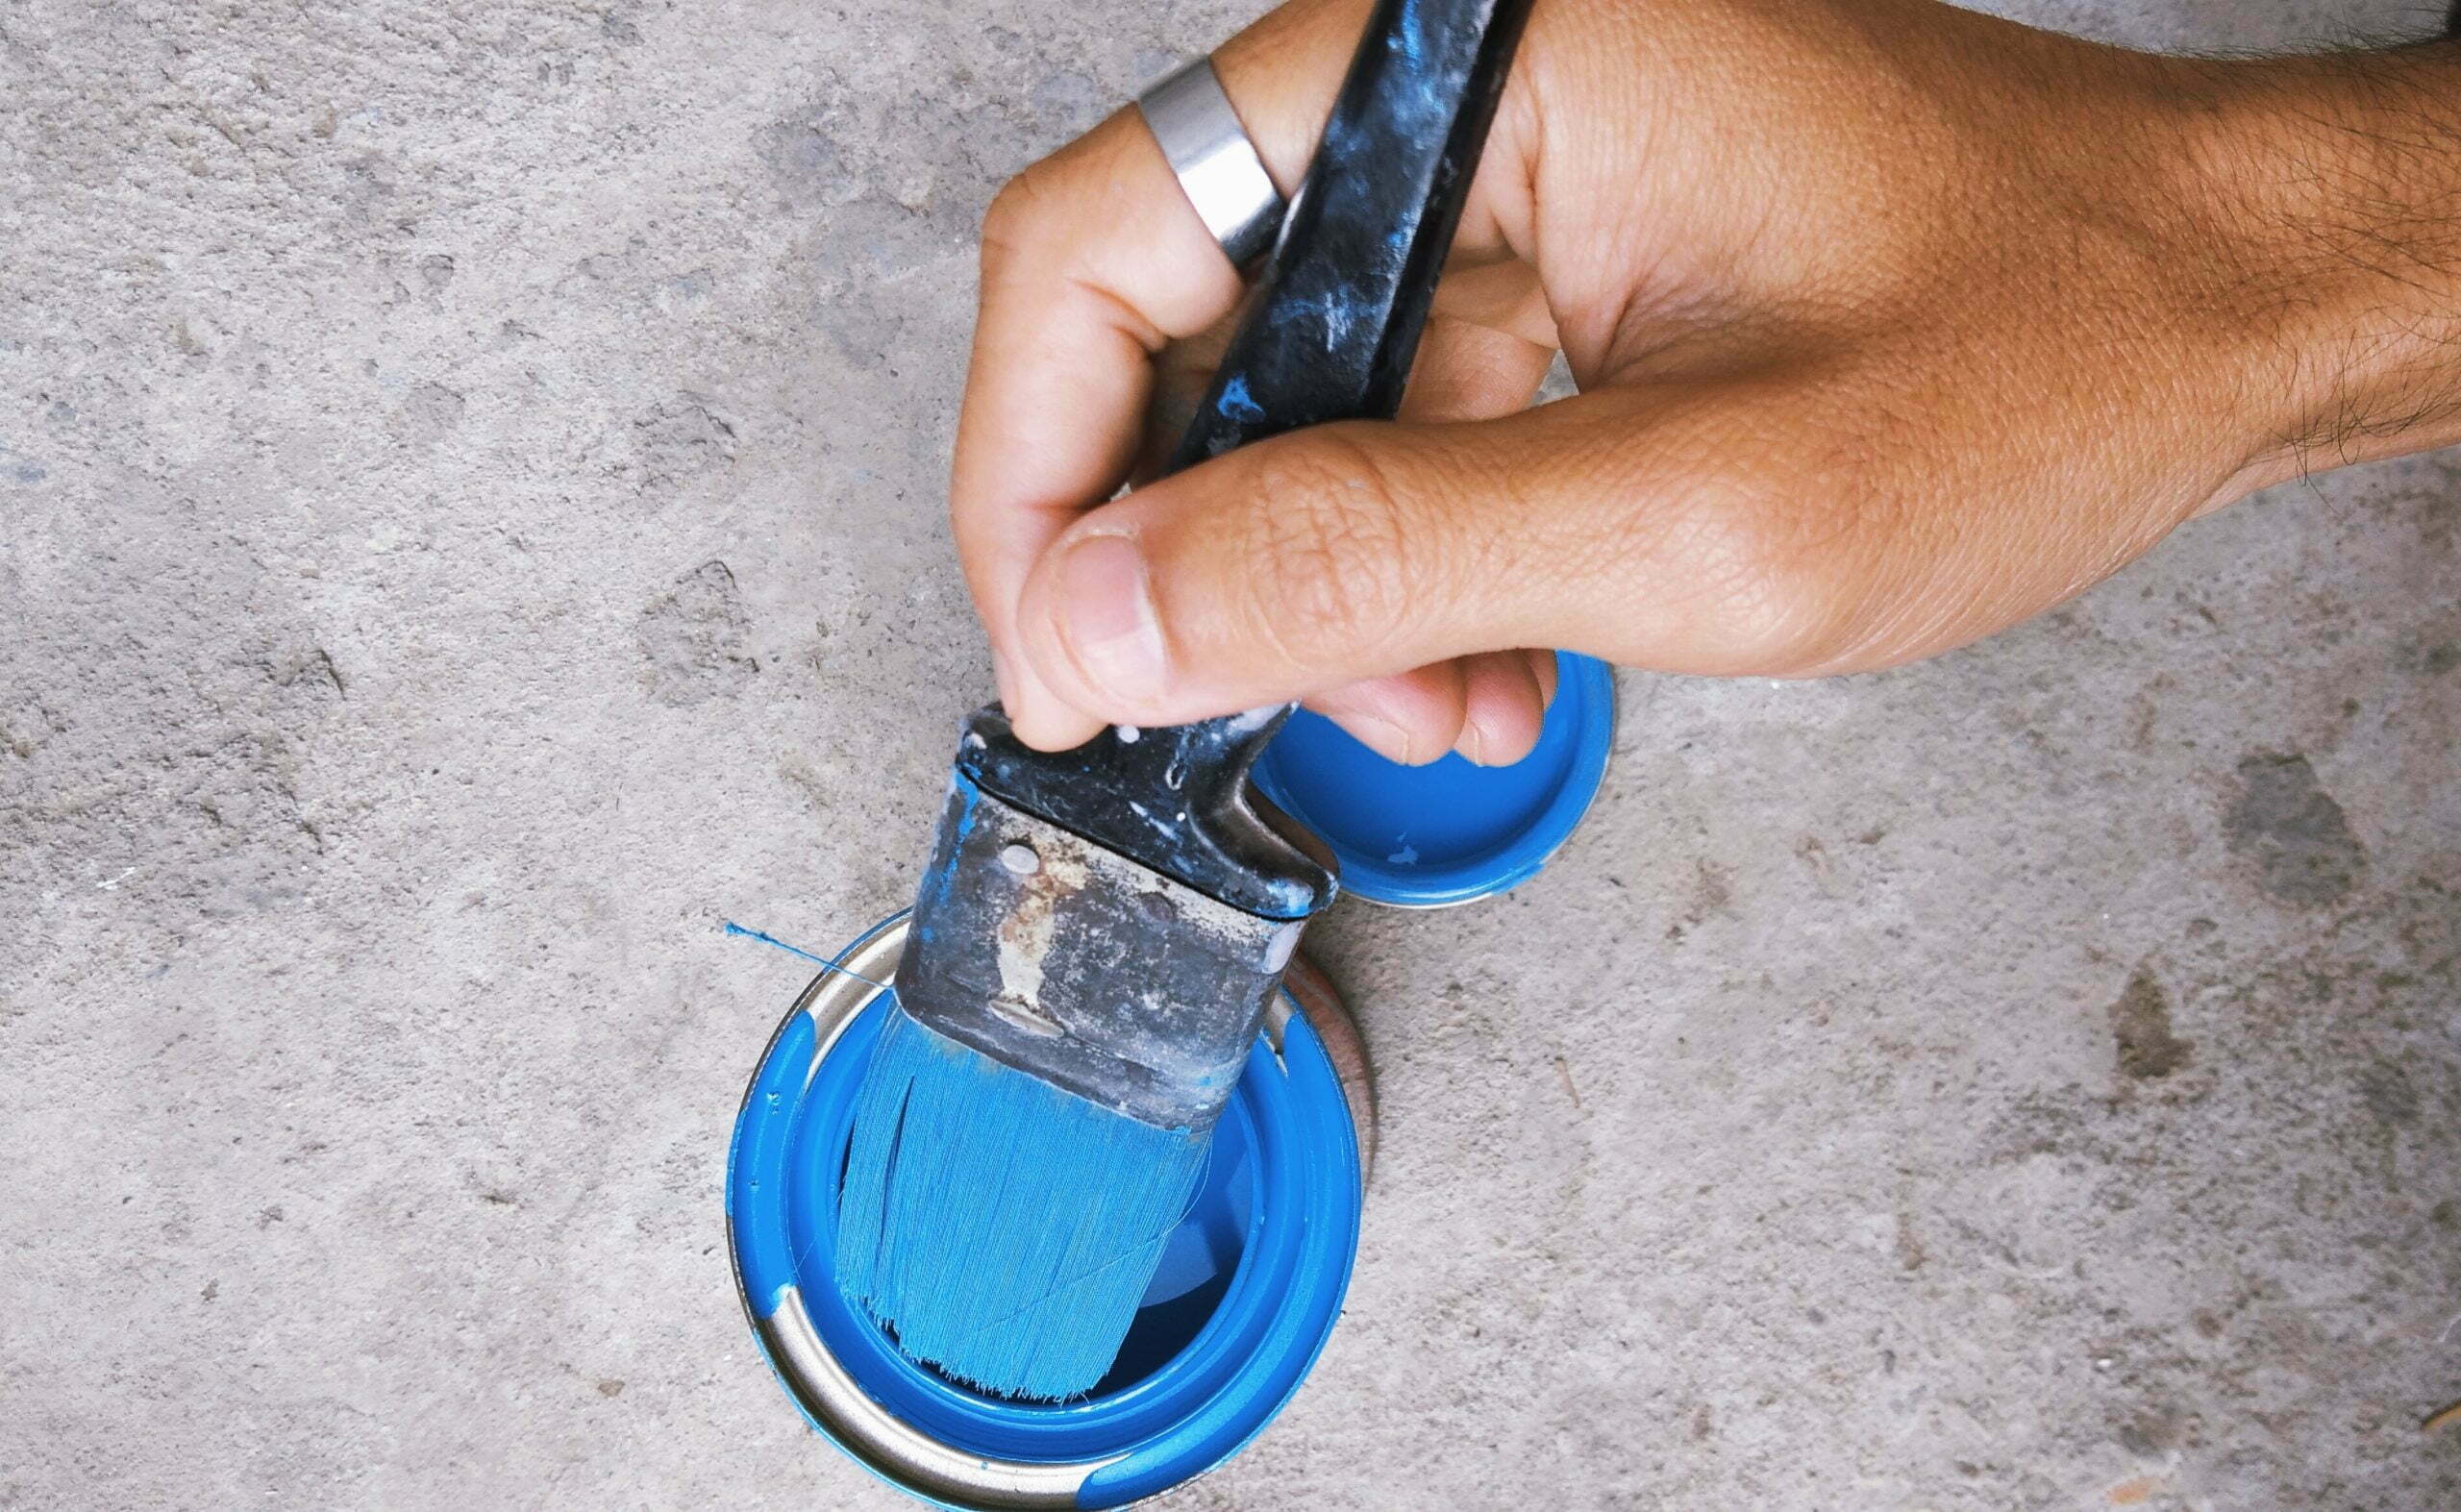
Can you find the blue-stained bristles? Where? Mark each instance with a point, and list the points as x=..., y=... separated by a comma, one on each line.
x=1002, y=1230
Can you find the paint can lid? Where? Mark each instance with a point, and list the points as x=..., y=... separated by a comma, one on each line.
x=1449, y=831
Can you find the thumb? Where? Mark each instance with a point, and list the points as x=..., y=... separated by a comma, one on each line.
x=1315, y=560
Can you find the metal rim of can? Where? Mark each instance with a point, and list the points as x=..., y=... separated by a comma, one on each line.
x=831, y=1396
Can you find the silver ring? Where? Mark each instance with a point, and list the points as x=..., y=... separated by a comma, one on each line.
x=1217, y=164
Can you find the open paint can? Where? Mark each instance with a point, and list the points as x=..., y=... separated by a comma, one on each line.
x=1250, y=1285
x=1449, y=831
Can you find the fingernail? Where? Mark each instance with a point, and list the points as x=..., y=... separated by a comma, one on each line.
x=1106, y=618
x=1474, y=745
x=1382, y=736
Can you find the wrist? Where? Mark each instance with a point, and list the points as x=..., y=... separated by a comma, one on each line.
x=2329, y=194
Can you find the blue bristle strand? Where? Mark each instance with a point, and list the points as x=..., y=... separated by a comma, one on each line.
x=1005, y=1230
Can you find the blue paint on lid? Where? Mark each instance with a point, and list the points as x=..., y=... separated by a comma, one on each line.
x=1449, y=831
x=1249, y=1289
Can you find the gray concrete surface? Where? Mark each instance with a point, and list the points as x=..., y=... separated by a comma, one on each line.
x=470, y=520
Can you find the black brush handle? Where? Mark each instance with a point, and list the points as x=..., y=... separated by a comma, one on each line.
x=1329, y=335
x=1340, y=305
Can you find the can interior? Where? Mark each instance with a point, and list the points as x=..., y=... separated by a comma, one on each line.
x=1199, y=1258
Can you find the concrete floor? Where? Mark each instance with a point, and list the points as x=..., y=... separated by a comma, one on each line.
x=470, y=520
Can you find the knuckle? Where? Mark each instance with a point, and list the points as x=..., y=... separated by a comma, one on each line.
x=1017, y=214
x=1774, y=535
x=1329, y=551
x=1787, y=560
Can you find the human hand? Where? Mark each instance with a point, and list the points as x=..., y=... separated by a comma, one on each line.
x=1894, y=324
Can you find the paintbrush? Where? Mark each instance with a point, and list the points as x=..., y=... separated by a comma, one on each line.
x=1099, y=930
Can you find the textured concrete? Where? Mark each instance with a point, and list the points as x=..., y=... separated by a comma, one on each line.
x=470, y=520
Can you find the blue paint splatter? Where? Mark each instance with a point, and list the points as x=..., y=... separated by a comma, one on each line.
x=1238, y=404
x=738, y=931
x=1406, y=38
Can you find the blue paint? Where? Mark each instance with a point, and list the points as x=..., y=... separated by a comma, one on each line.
x=738, y=931
x=1004, y=1229
x=1249, y=1289
x=938, y=881
x=1236, y=403
x=1408, y=39
x=756, y=1218
x=1447, y=832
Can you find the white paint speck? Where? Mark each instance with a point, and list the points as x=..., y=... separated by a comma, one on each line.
x=1128, y=734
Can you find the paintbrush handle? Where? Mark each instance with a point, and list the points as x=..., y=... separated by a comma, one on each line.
x=1339, y=306
x=1328, y=334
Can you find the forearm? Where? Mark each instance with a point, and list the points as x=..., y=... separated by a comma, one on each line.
x=2341, y=178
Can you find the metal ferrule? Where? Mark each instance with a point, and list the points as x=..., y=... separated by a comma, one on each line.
x=1066, y=960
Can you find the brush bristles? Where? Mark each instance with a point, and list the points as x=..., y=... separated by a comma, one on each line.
x=1002, y=1230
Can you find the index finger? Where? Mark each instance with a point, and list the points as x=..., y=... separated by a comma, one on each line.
x=1093, y=260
